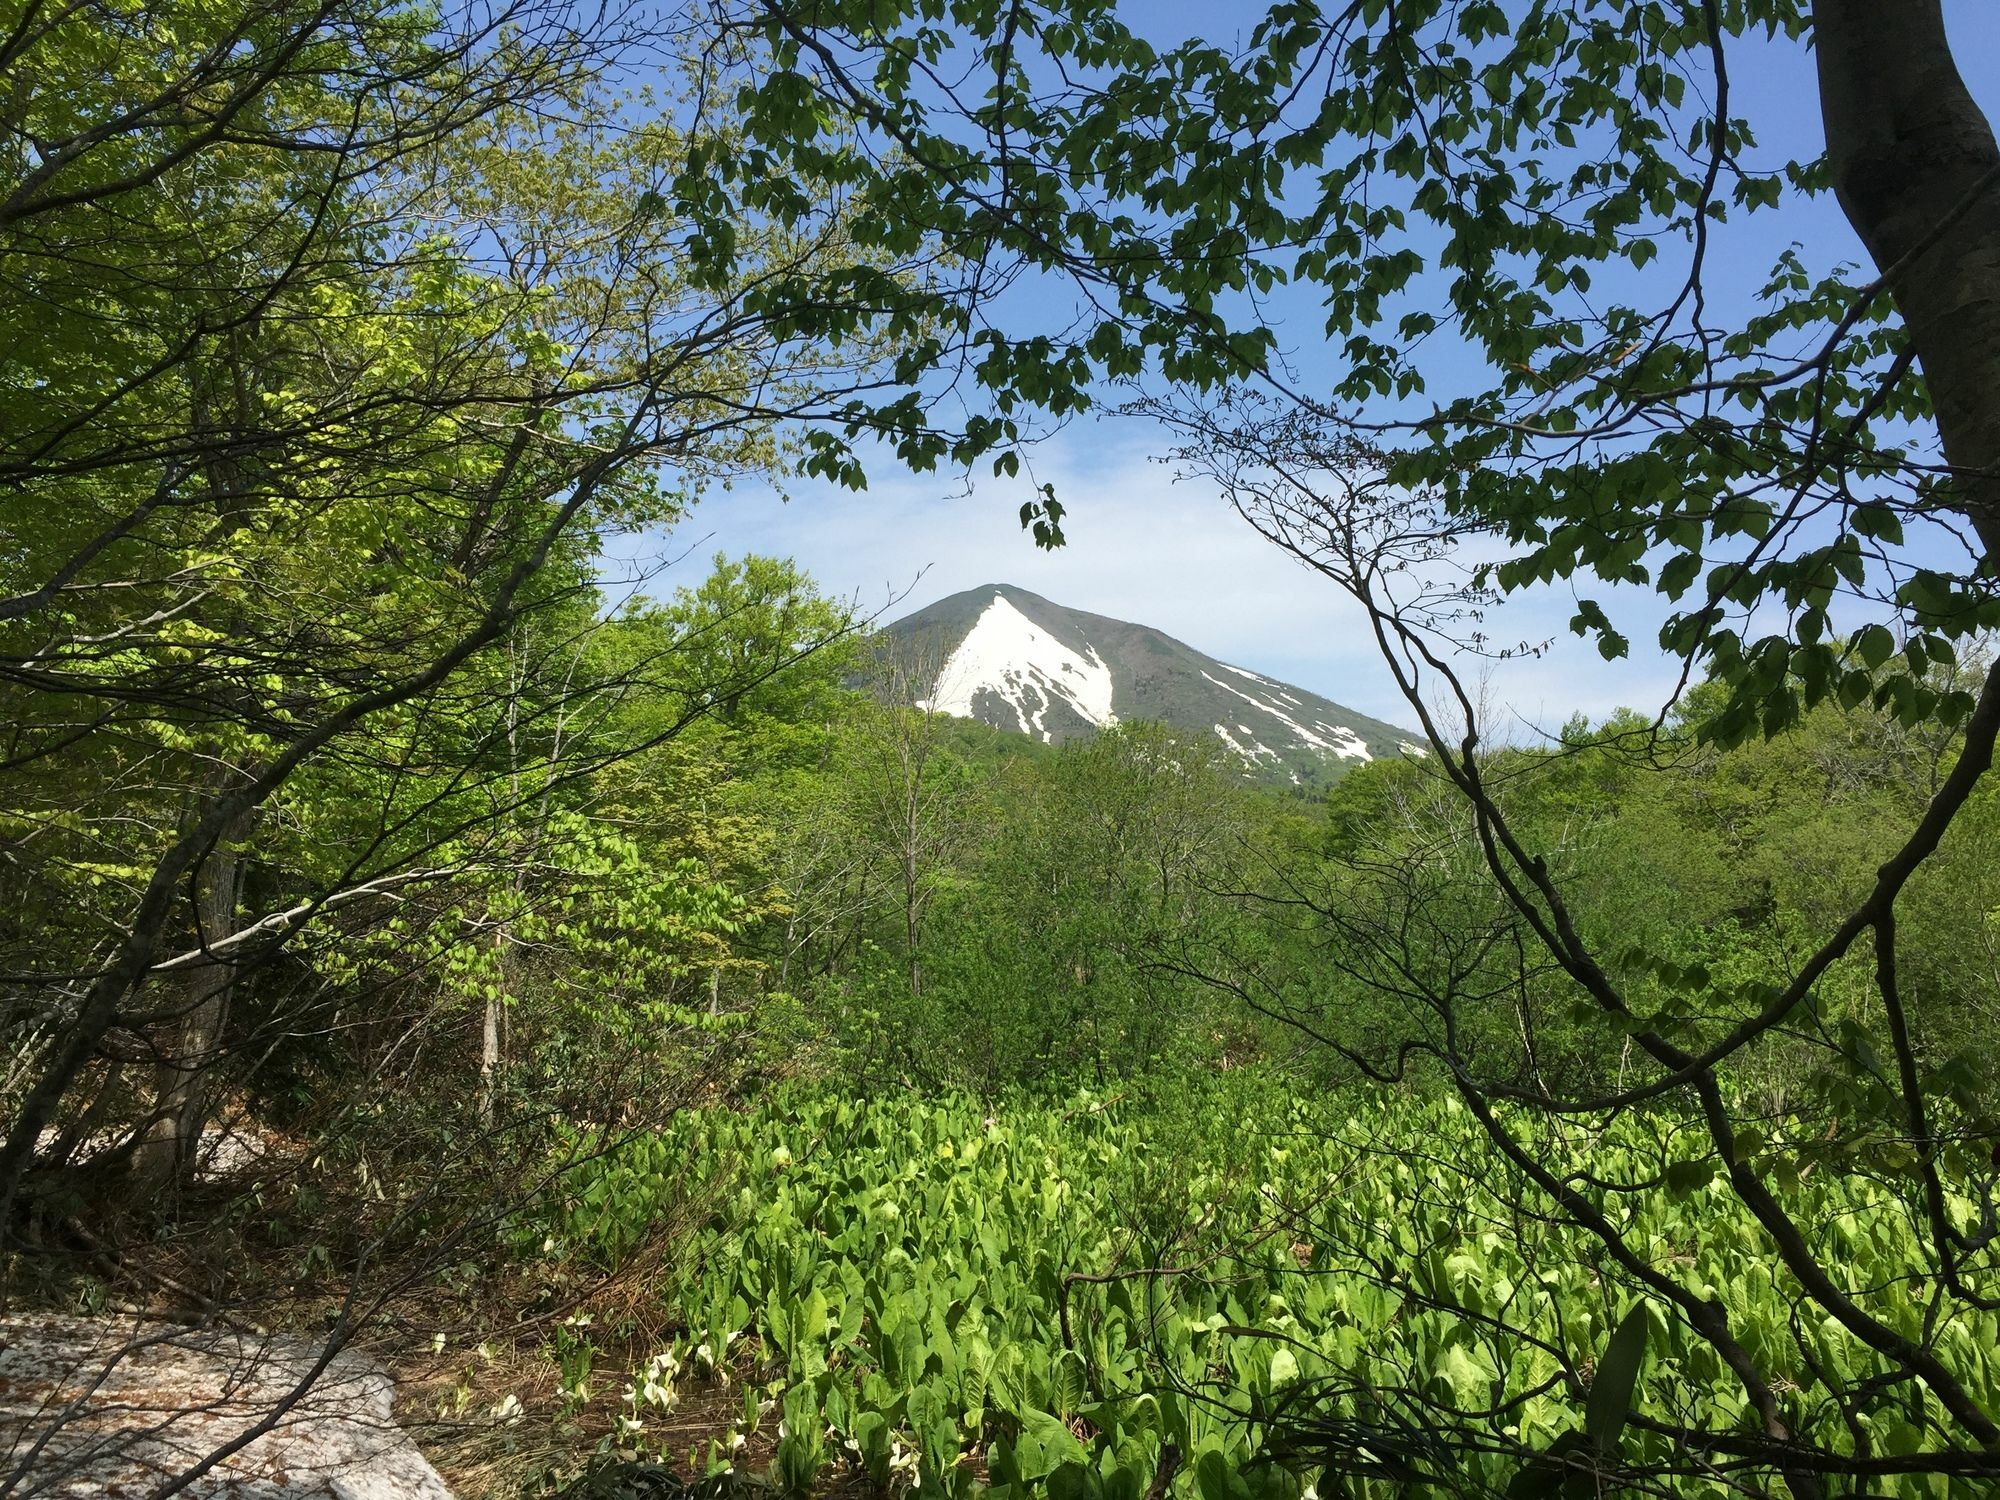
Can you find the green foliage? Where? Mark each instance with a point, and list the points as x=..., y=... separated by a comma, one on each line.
x=1706, y=877
x=1053, y=916
x=348, y=335
x=1519, y=227
x=941, y=1281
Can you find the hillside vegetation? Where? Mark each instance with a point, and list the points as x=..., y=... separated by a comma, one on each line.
x=443, y=918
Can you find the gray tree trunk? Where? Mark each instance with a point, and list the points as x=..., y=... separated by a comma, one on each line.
x=1917, y=172
x=492, y=1046
x=183, y=1075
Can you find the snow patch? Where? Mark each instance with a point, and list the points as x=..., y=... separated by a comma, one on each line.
x=1345, y=742
x=1352, y=745
x=1255, y=752
x=1007, y=654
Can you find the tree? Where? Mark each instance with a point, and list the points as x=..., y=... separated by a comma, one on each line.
x=1522, y=224
x=1124, y=847
x=912, y=792
x=353, y=329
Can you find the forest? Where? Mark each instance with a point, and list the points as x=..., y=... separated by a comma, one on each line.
x=454, y=927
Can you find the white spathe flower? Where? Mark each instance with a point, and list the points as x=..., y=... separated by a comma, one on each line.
x=507, y=1410
x=654, y=1385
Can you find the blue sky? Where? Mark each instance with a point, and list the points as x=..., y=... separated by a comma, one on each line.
x=1143, y=547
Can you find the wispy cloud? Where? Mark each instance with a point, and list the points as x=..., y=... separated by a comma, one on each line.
x=1143, y=547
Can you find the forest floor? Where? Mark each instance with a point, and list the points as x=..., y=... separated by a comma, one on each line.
x=113, y=1406
x=496, y=1419
x=130, y=1354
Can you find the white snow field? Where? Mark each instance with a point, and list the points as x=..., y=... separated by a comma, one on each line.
x=1008, y=654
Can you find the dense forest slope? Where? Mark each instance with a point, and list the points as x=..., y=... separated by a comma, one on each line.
x=1017, y=661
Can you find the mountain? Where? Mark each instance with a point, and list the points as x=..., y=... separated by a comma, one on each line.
x=1014, y=660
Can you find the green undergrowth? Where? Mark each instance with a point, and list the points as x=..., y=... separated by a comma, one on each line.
x=1264, y=1294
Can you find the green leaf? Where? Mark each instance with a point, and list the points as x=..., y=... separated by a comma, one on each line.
x=1045, y=1444
x=1685, y=1177
x=1678, y=572
x=1874, y=645
x=1617, y=1375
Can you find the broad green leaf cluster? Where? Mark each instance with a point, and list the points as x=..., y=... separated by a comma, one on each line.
x=1028, y=1299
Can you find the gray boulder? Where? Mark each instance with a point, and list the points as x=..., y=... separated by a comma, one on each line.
x=111, y=1409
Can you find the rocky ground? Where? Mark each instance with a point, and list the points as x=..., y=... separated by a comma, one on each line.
x=130, y=1410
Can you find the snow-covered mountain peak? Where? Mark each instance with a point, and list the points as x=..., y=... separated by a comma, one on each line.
x=1005, y=656
x=1019, y=662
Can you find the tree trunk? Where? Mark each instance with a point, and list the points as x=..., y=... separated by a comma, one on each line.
x=491, y=1053
x=1917, y=172
x=168, y=1155
x=911, y=924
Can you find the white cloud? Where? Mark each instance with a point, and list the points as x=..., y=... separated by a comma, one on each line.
x=1142, y=547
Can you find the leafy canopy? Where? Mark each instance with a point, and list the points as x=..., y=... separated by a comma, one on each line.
x=1520, y=232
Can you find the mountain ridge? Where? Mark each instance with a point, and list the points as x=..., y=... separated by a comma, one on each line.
x=1016, y=661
